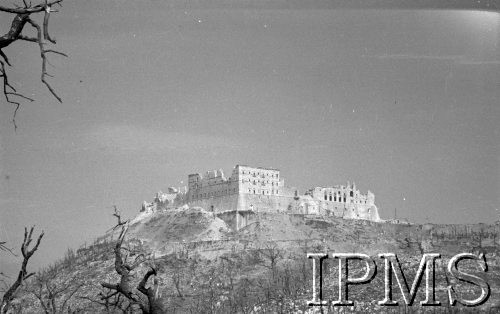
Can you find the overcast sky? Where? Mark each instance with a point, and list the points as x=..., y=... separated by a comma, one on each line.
x=405, y=102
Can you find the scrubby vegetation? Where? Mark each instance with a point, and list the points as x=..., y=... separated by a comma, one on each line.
x=262, y=268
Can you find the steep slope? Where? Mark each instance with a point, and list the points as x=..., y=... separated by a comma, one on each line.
x=181, y=224
x=204, y=266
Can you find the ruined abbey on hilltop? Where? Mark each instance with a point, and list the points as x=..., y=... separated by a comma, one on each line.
x=252, y=190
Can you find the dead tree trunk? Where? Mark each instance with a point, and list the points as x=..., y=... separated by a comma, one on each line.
x=124, y=270
x=23, y=273
x=125, y=286
x=152, y=293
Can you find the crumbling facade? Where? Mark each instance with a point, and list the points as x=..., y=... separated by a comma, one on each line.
x=170, y=200
x=256, y=189
x=243, y=180
x=346, y=201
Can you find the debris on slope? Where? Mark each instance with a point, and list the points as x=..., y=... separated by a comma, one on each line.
x=181, y=224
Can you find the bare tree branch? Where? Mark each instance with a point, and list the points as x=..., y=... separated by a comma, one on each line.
x=28, y=10
x=120, y=223
x=46, y=17
x=23, y=273
x=110, y=301
x=54, y=293
x=3, y=247
x=44, y=58
x=22, y=16
x=154, y=304
x=4, y=57
x=124, y=287
x=154, y=299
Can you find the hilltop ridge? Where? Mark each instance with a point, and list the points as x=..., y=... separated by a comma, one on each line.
x=252, y=190
x=261, y=267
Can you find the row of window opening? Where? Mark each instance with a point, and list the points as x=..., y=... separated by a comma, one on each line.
x=264, y=192
x=262, y=175
x=216, y=193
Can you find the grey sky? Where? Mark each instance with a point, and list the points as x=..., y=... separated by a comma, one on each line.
x=404, y=102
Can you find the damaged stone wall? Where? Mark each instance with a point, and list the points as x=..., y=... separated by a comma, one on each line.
x=263, y=190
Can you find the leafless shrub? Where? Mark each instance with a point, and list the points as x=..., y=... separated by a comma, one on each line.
x=52, y=292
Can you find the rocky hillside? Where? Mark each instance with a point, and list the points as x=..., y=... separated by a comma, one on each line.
x=203, y=266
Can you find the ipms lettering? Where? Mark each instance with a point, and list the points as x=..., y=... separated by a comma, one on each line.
x=393, y=270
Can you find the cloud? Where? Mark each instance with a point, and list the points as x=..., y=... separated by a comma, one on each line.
x=144, y=139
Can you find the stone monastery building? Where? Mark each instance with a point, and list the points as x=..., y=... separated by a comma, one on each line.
x=250, y=189
x=243, y=180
